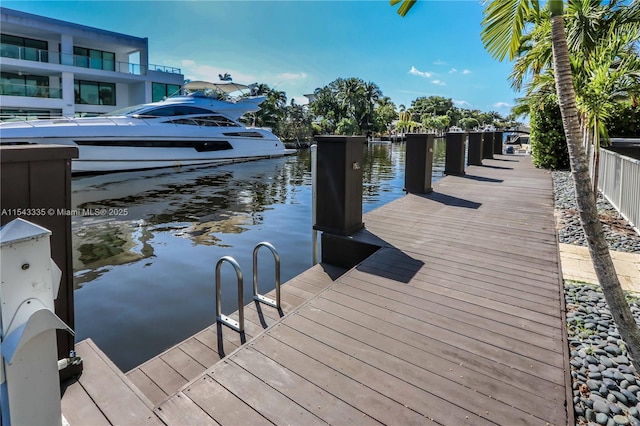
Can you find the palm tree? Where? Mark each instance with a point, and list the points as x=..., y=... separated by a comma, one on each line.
x=595, y=59
x=503, y=26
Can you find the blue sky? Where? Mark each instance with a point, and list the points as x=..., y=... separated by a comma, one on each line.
x=297, y=46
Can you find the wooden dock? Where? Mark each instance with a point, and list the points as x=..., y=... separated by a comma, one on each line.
x=457, y=319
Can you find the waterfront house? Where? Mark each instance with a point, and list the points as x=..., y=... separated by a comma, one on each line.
x=55, y=68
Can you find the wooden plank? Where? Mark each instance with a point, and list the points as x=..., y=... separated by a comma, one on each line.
x=299, y=390
x=147, y=386
x=266, y=400
x=469, y=341
x=382, y=355
x=111, y=391
x=79, y=409
x=397, y=325
x=180, y=410
x=335, y=380
x=412, y=398
x=404, y=344
x=446, y=267
x=163, y=375
x=221, y=404
x=182, y=363
x=209, y=337
x=200, y=352
x=453, y=305
x=514, y=343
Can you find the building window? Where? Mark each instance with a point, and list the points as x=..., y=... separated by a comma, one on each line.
x=161, y=91
x=94, y=93
x=34, y=86
x=23, y=48
x=94, y=59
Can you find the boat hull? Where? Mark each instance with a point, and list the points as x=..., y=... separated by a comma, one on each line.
x=103, y=155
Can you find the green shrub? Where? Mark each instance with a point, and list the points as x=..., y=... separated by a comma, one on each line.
x=548, y=143
x=624, y=121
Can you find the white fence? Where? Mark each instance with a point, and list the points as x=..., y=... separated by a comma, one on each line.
x=619, y=182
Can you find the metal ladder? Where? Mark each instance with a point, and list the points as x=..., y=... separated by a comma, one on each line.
x=223, y=319
x=239, y=325
x=259, y=297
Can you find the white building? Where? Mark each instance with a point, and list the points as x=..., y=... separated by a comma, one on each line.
x=52, y=68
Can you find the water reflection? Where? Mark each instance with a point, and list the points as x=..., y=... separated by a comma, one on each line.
x=144, y=271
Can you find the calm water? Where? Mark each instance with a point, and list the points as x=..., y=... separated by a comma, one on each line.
x=145, y=274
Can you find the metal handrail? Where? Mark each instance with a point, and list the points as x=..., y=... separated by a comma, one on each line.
x=234, y=325
x=259, y=297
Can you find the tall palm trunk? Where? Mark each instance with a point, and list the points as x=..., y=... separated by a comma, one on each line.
x=596, y=159
x=587, y=208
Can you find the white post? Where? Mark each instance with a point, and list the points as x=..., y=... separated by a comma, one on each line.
x=314, y=199
x=30, y=391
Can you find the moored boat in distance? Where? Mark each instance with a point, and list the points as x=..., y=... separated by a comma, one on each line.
x=184, y=130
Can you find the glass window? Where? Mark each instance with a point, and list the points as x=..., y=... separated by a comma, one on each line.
x=94, y=93
x=23, y=48
x=107, y=94
x=173, y=89
x=158, y=91
x=95, y=59
x=92, y=58
x=108, y=61
x=23, y=85
x=89, y=93
x=80, y=57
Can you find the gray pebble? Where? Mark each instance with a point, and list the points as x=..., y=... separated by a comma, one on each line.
x=621, y=420
x=602, y=418
x=601, y=407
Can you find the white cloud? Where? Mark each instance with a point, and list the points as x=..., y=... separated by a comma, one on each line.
x=453, y=71
x=439, y=62
x=502, y=105
x=415, y=71
x=461, y=103
x=292, y=76
x=193, y=70
x=439, y=82
x=466, y=71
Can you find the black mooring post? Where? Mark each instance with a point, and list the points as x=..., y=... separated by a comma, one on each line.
x=454, y=155
x=487, y=145
x=497, y=142
x=419, y=163
x=339, y=184
x=474, y=156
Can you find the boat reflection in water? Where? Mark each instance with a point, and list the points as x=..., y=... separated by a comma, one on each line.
x=145, y=270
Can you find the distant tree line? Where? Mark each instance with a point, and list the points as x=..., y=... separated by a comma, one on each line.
x=352, y=106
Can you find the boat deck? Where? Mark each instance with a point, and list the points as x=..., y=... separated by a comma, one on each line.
x=458, y=319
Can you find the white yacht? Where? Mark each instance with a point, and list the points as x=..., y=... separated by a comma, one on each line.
x=191, y=129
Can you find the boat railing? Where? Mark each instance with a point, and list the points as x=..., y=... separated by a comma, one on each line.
x=33, y=121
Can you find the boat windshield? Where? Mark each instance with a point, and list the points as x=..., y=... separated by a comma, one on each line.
x=130, y=110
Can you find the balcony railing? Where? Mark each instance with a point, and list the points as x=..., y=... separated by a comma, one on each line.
x=32, y=54
x=30, y=90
